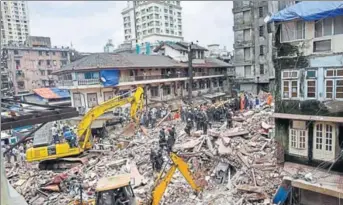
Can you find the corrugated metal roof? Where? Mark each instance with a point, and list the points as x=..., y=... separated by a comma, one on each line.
x=51, y=93
x=113, y=61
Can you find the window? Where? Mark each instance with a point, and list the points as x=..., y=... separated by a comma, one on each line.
x=42, y=72
x=246, y=17
x=298, y=139
x=16, y=52
x=39, y=62
x=260, y=12
x=92, y=99
x=334, y=84
x=290, y=84
x=294, y=30
x=49, y=72
x=246, y=35
x=322, y=46
x=311, y=88
x=48, y=63
x=247, y=71
x=47, y=53
x=324, y=141
x=247, y=54
x=311, y=84
x=166, y=90
x=261, y=51
x=108, y=95
x=91, y=75
x=53, y=53
x=154, y=91
x=40, y=53
x=77, y=100
x=54, y=62
x=262, y=69
x=260, y=31
x=338, y=25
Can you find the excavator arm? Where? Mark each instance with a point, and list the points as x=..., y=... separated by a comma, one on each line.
x=162, y=183
x=84, y=127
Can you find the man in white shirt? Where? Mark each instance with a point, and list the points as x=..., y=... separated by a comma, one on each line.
x=54, y=132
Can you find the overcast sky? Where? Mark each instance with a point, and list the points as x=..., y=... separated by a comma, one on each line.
x=88, y=25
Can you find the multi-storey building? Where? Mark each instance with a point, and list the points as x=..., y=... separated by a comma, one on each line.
x=148, y=22
x=32, y=66
x=308, y=64
x=253, y=45
x=15, y=25
x=164, y=77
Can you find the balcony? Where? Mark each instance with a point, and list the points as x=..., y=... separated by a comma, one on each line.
x=124, y=80
x=243, y=44
x=89, y=82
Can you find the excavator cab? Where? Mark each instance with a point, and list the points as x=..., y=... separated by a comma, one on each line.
x=115, y=190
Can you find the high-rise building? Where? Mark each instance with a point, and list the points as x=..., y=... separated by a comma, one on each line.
x=14, y=22
x=146, y=23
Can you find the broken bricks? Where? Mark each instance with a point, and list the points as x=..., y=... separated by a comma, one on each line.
x=250, y=154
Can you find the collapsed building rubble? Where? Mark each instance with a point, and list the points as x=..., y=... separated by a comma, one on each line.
x=233, y=166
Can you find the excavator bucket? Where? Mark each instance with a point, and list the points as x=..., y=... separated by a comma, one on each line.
x=129, y=130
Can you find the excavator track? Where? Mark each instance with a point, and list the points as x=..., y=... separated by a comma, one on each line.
x=62, y=164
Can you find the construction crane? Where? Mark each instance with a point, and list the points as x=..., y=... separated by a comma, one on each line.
x=52, y=156
x=110, y=190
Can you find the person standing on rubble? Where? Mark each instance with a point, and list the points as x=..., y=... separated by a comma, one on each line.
x=162, y=141
x=229, y=119
x=171, y=139
x=54, y=133
x=153, y=157
x=159, y=160
x=189, y=126
x=153, y=119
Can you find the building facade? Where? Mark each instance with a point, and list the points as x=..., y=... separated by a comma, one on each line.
x=253, y=45
x=146, y=23
x=308, y=62
x=164, y=78
x=32, y=67
x=15, y=25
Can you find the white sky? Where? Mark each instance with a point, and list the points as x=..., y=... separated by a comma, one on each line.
x=89, y=24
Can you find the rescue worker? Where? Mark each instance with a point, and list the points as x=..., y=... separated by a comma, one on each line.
x=162, y=141
x=54, y=133
x=153, y=119
x=159, y=160
x=171, y=139
x=67, y=134
x=153, y=157
x=189, y=126
x=229, y=119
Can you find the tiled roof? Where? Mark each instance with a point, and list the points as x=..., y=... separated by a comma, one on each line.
x=110, y=60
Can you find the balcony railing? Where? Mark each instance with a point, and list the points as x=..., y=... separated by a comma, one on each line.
x=89, y=82
x=65, y=83
x=139, y=78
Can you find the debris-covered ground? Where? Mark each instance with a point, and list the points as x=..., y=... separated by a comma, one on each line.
x=234, y=166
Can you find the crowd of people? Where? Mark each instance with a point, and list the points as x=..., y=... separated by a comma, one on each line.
x=150, y=115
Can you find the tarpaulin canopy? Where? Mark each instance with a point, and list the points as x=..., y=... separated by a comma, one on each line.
x=51, y=93
x=109, y=77
x=309, y=11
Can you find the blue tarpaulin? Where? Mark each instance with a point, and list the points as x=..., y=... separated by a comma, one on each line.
x=281, y=195
x=309, y=11
x=61, y=93
x=138, y=49
x=109, y=77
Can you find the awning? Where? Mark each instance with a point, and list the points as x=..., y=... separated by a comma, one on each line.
x=309, y=11
x=324, y=182
x=51, y=93
x=308, y=117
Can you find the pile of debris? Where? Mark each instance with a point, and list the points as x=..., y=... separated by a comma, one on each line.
x=233, y=166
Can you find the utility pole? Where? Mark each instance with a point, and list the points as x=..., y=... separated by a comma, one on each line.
x=190, y=72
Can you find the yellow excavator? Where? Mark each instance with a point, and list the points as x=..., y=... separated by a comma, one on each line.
x=56, y=155
x=118, y=190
